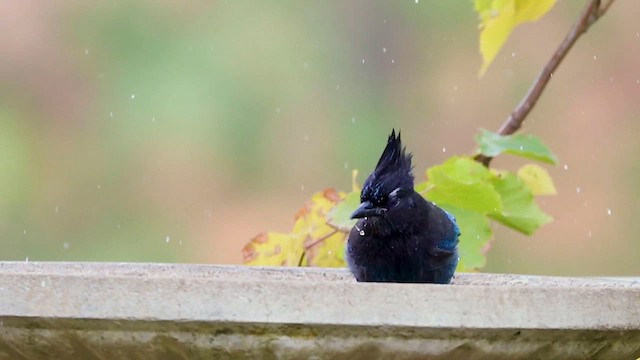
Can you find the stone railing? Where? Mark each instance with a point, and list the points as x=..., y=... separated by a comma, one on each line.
x=166, y=311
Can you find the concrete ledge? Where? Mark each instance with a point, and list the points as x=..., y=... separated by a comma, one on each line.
x=150, y=311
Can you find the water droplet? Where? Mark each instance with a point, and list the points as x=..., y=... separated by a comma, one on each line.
x=86, y=51
x=566, y=167
x=393, y=61
x=56, y=209
x=99, y=186
x=363, y=61
x=444, y=149
x=301, y=187
x=353, y=120
x=118, y=226
x=167, y=239
x=595, y=57
x=278, y=110
x=361, y=233
x=578, y=190
x=589, y=234
x=306, y=137
x=384, y=49
x=153, y=119
x=111, y=114
x=455, y=87
x=24, y=232
x=338, y=87
x=417, y=1
x=346, y=165
x=133, y=96
x=513, y=54
x=43, y=283
x=608, y=211
x=65, y=245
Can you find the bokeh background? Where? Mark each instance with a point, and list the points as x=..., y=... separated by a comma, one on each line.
x=168, y=131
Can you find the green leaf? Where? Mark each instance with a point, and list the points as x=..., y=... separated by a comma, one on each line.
x=499, y=17
x=529, y=146
x=339, y=216
x=474, y=241
x=463, y=183
x=519, y=210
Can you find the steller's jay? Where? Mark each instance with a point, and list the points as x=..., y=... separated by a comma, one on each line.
x=400, y=236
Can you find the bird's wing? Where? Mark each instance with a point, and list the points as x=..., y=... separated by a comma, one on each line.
x=448, y=244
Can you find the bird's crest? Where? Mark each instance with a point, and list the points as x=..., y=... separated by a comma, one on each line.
x=393, y=171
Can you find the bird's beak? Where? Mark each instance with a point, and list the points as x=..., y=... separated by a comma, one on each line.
x=367, y=209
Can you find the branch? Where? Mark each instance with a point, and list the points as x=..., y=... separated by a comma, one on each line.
x=307, y=247
x=591, y=13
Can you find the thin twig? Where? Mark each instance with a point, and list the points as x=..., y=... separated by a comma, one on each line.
x=307, y=247
x=591, y=13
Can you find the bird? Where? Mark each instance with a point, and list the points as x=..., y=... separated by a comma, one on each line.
x=399, y=236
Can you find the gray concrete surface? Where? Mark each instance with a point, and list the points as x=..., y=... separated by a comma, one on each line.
x=171, y=311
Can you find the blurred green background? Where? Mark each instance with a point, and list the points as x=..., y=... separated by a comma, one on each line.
x=169, y=131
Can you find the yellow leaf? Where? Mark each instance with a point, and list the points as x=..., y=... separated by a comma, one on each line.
x=323, y=244
x=328, y=252
x=267, y=249
x=537, y=180
x=499, y=17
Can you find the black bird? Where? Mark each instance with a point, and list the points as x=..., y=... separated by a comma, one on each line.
x=400, y=236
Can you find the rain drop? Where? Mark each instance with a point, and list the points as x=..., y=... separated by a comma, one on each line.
x=363, y=61
x=384, y=49
x=167, y=239
x=301, y=187
x=26, y=259
x=513, y=54
x=417, y=1
x=444, y=149
x=24, y=232
x=56, y=209
x=99, y=186
x=153, y=119
x=111, y=114
x=133, y=96
x=43, y=283
x=578, y=190
x=393, y=61
x=608, y=211
x=595, y=57
x=346, y=165
x=566, y=167
x=278, y=110
x=306, y=137
x=65, y=245
x=353, y=120
x=86, y=51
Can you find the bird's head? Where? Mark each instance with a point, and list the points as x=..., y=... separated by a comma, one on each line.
x=389, y=188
